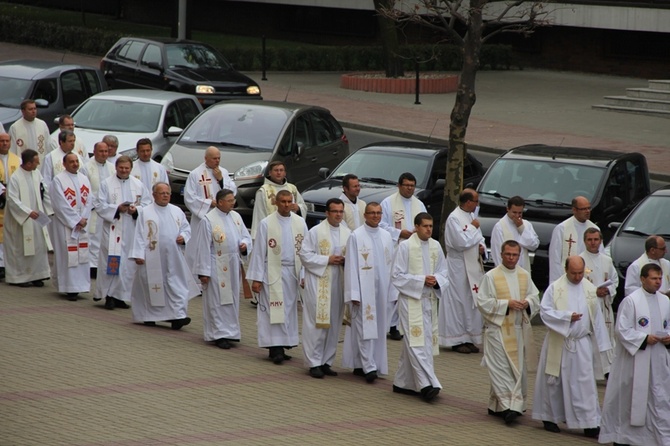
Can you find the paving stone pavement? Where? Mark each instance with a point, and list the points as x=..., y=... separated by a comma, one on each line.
x=74, y=373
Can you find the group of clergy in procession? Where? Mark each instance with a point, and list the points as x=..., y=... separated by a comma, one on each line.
x=372, y=267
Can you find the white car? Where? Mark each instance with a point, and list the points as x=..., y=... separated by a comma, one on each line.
x=134, y=114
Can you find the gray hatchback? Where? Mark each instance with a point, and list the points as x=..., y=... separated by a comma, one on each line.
x=250, y=134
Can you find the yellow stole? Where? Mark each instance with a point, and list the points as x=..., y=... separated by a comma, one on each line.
x=400, y=220
x=508, y=329
x=324, y=282
x=13, y=163
x=270, y=193
x=415, y=307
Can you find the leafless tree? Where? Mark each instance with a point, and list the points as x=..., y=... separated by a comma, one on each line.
x=467, y=24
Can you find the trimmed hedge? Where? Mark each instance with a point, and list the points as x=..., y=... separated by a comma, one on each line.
x=310, y=58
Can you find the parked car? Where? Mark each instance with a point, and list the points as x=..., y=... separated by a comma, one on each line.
x=56, y=88
x=650, y=217
x=378, y=167
x=548, y=178
x=176, y=65
x=250, y=134
x=130, y=115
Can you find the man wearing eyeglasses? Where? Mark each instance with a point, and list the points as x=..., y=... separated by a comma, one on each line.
x=568, y=237
x=398, y=212
x=654, y=250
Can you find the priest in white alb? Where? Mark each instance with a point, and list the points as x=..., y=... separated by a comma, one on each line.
x=275, y=271
x=145, y=169
x=71, y=198
x=512, y=226
x=567, y=238
x=9, y=163
x=119, y=203
x=53, y=161
x=65, y=122
x=570, y=361
x=655, y=249
x=97, y=169
x=367, y=276
x=163, y=282
x=26, y=239
x=322, y=256
x=420, y=276
x=508, y=300
x=220, y=241
x=30, y=132
x=354, y=207
x=636, y=409
x=460, y=321
x=601, y=272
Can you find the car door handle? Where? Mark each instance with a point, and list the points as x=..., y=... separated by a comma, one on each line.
x=313, y=159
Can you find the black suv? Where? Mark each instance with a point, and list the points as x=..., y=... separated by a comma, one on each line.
x=176, y=65
x=548, y=178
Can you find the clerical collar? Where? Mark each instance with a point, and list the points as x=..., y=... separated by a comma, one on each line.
x=122, y=179
x=647, y=293
x=278, y=184
x=353, y=201
x=370, y=228
x=506, y=269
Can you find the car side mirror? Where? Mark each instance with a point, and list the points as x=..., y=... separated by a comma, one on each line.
x=324, y=172
x=41, y=103
x=155, y=66
x=174, y=131
x=614, y=225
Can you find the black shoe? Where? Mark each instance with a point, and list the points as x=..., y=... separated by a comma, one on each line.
x=404, y=391
x=429, y=393
x=511, y=416
x=285, y=356
x=276, y=355
x=462, y=348
x=328, y=371
x=371, y=376
x=118, y=303
x=253, y=302
x=72, y=297
x=620, y=444
x=473, y=348
x=109, y=303
x=176, y=324
x=223, y=343
x=23, y=285
x=394, y=334
x=278, y=358
x=592, y=432
x=494, y=414
x=149, y=323
x=38, y=283
x=551, y=427
x=359, y=372
x=316, y=372
x=2, y=272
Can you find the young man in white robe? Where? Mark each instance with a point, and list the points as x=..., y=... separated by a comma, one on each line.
x=654, y=252
x=508, y=300
x=398, y=212
x=65, y=122
x=570, y=361
x=72, y=201
x=567, y=238
x=460, y=322
x=636, y=409
x=420, y=275
x=9, y=163
x=163, y=282
x=30, y=132
x=322, y=256
x=26, y=240
x=265, y=201
x=119, y=203
x=145, y=169
x=221, y=240
x=53, y=161
x=601, y=272
x=97, y=169
x=354, y=207
x=367, y=276
x=512, y=226
x=275, y=271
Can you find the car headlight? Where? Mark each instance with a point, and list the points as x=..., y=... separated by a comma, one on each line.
x=132, y=153
x=251, y=171
x=254, y=90
x=204, y=89
x=168, y=162
x=309, y=206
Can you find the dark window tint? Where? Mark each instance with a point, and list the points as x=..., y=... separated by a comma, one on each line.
x=152, y=54
x=73, y=89
x=188, y=110
x=92, y=81
x=131, y=51
x=46, y=89
x=324, y=132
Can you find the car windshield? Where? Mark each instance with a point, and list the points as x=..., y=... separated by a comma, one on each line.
x=651, y=217
x=541, y=181
x=384, y=167
x=13, y=91
x=194, y=56
x=254, y=127
x=118, y=116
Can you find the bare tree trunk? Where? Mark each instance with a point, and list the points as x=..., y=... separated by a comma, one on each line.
x=389, y=35
x=460, y=114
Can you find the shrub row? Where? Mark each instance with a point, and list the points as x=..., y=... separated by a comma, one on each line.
x=349, y=58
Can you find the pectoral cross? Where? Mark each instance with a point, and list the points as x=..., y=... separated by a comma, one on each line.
x=570, y=242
